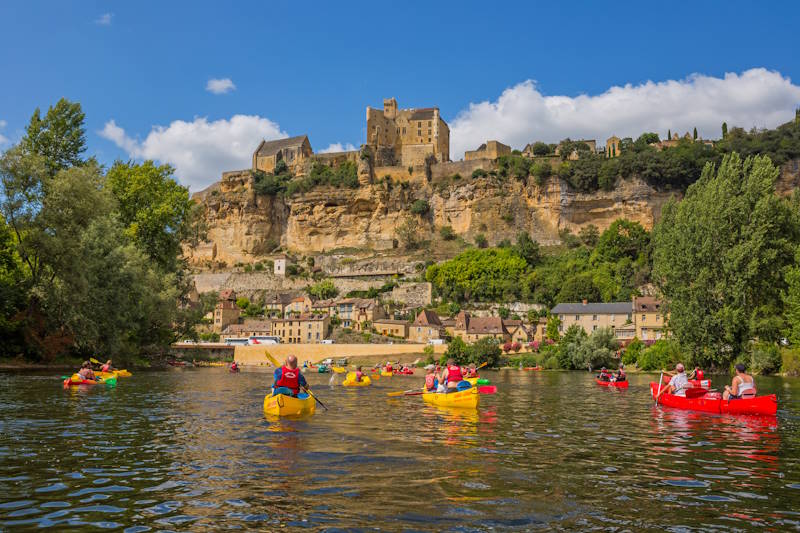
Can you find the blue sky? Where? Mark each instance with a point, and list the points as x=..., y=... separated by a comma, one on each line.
x=313, y=67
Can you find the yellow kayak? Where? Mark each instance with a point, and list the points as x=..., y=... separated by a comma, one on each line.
x=338, y=369
x=123, y=373
x=467, y=398
x=283, y=405
x=386, y=373
x=106, y=375
x=350, y=381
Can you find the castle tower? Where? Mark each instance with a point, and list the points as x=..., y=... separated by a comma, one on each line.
x=390, y=108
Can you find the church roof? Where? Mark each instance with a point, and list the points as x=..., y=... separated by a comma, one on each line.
x=422, y=113
x=267, y=148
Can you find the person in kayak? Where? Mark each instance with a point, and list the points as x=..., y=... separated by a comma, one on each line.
x=677, y=384
x=107, y=367
x=289, y=376
x=359, y=374
x=742, y=386
x=86, y=371
x=389, y=366
x=471, y=372
x=234, y=367
x=431, y=379
x=452, y=374
x=620, y=375
x=696, y=374
x=604, y=375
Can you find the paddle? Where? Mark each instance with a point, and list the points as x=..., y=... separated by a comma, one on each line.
x=95, y=361
x=317, y=399
x=487, y=389
x=402, y=392
x=695, y=392
x=660, y=381
x=271, y=359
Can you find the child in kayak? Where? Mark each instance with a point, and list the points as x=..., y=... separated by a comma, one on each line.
x=86, y=371
x=472, y=372
x=359, y=374
x=604, y=375
x=107, y=367
x=431, y=379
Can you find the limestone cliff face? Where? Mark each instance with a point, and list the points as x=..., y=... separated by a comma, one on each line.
x=244, y=226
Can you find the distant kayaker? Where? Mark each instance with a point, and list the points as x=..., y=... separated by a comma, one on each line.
x=431, y=379
x=452, y=374
x=677, y=384
x=359, y=374
x=742, y=386
x=234, y=367
x=620, y=375
x=86, y=371
x=389, y=366
x=289, y=376
x=604, y=375
x=471, y=372
x=696, y=374
x=107, y=367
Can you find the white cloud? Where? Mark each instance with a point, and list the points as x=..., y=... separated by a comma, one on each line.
x=220, y=86
x=199, y=150
x=3, y=138
x=104, y=19
x=522, y=114
x=338, y=147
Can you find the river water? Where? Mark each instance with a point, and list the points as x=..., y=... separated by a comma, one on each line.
x=191, y=450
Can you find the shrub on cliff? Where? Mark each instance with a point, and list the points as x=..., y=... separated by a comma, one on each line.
x=420, y=207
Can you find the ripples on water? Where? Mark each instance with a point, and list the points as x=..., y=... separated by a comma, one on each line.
x=192, y=450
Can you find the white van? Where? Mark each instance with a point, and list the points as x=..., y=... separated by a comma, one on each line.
x=435, y=342
x=326, y=341
x=240, y=341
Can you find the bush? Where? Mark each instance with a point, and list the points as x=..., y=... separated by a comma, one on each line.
x=447, y=233
x=242, y=302
x=480, y=241
x=516, y=347
x=420, y=207
x=765, y=358
x=258, y=267
x=507, y=347
x=323, y=290
x=662, y=355
x=632, y=352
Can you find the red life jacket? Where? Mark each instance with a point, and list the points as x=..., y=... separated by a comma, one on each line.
x=430, y=380
x=699, y=374
x=359, y=375
x=388, y=368
x=454, y=374
x=290, y=378
x=106, y=368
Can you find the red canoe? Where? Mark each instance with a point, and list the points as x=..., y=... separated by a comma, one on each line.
x=619, y=384
x=712, y=402
x=532, y=368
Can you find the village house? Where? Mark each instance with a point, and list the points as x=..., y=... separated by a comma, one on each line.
x=648, y=318
x=250, y=328
x=592, y=316
x=293, y=151
x=471, y=329
x=298, y=305
x=225, y=312
x=426, y=327
x=303, y=329
x=327, y=307
x=488, y=150
x=540, y=330
x=354, y=312
x=279, y=265
x=516, y=331
x=391, y=328
x=573, y=156
x=276, y=304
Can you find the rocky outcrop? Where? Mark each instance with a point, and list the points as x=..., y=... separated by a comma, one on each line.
x=243, y=226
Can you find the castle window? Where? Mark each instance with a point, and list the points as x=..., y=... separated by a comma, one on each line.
x=429, y=123
x=404, y=130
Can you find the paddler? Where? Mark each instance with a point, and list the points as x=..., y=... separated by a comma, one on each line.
x=452, y=374
x=472, y=371
x=359, y=374
x=388, y=366
x=604, y=375
x=234, y=367
x=431, y=379
x=677, y=384
x=696, y=374
x=620, y=376
x=742, y=386
x=289, y=376
x=107, y=367
x=86, y=371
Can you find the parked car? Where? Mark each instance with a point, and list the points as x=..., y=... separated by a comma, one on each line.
x=327, y=341
x=435, y=342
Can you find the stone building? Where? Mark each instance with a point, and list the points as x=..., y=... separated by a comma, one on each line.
x=592, y=316
x=649, y=318
x=392, y=328
x=299, y=305
x=294, y=151
x=473, y=328
x=612, y=146
x=250, y=328
x=406, y=137
x=279, y=265
x=304, y=329
x=225, y=312
x=488, y=150
x=574, y=156
x=516, y=331
x=426, y=327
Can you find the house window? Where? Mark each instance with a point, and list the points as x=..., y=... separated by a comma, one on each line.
x=643, y=317
x=419, y=124
x=577, y=317
x=594, y=317
x=594, y=328
x=404, y=130
x=658, y=317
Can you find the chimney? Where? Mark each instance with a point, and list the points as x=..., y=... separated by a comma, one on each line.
x=584, y=302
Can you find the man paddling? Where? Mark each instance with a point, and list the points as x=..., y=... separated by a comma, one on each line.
x=289, y=376
x=86, y=372
x=677, y=384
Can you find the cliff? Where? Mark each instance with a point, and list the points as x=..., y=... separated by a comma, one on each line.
x=244, y=226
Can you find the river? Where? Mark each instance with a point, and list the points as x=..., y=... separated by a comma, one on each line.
x=190, y=449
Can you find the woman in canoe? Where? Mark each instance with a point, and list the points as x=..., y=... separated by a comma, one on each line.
x=742, y=386
x=452, y=374
x=289, y=377
x=107, y=367
x=359, y=374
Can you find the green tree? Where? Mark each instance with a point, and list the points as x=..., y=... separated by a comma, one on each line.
x=589, y=235
x=447, y=233
x=408, y=233
x=242, y=302
x=694, y=134
x=480, y=241
x=503, y=312
x=724, y=130
x=420, y=207
x=486, y=350
x=323, y=290
x=553, y=327
x=539, y=148
x=481, y=275
x=59, y=137
x=791, y=301
x=156, y=210
x=720, y=254
x=623, y=238
x=457, y=350
x=528, y=249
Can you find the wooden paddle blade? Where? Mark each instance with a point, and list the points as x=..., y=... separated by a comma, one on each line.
x=400, y=393
x=487, y=389
x=695, y=392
